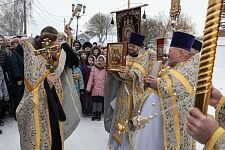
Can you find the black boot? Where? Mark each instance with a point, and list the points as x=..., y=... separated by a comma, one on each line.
x=98, y=116
x=94, y=116
x=1, y=123
x=3, y=113
x=85, y=113
x=0, y=131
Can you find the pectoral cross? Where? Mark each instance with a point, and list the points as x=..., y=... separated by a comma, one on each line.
x=49, y=52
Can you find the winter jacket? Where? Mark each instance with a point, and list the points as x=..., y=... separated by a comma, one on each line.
x=5, y=64
x=4, y=96
x=79, y=83
x=17, y=67
x=96, y=82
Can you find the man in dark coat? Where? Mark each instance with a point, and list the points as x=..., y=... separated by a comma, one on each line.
x=17, y=70
x=5, y=64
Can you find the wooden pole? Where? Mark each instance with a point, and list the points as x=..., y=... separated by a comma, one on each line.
x=25, y=17
x=128, y=3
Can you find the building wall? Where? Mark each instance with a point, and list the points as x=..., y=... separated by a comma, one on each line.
x=83, y=38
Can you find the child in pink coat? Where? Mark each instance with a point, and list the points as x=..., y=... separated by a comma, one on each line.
x=96, y=84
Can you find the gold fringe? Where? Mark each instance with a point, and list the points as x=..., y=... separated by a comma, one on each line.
x=36, y=119
x=164, y=115
x=212, y=141
x=219, y=106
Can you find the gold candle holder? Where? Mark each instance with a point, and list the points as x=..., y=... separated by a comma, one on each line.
x=204, y=83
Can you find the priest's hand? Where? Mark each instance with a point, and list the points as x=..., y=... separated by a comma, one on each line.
x=52, y=79
x=199, y=126
x=68, y=30
x=151, y=81
x=215, y=97
x=123, y=71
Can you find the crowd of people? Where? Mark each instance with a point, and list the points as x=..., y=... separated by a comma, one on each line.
x=142, y=90
x=11, y=66
x=89, y=76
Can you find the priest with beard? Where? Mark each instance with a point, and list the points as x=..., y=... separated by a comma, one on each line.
x=168, y=105
x=122, y=94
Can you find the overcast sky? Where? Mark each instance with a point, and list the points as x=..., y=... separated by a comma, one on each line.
x=52, y=12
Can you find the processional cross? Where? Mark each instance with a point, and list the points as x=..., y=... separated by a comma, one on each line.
x=50, y=53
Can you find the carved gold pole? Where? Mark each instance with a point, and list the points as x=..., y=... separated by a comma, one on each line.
x=204, y=83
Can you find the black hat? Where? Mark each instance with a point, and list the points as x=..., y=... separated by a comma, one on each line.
x=182, y=40
x=136, y=39
x=77, y=41
x=197, y=45
x=87, y=44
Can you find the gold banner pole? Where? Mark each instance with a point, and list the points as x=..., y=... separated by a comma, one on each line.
x=204, y=83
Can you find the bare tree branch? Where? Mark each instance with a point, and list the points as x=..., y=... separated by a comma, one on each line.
x=11, y=17
x=160, y=26
x=101, y=25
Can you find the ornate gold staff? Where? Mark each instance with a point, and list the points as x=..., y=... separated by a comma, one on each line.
x=204, y=83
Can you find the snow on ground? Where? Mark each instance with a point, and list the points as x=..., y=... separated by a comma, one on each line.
x=88, y=135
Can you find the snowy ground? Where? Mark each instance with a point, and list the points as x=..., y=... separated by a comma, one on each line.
x=88, y=136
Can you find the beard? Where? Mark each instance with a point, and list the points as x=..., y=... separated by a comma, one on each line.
x=133, y=53
x=172, y=62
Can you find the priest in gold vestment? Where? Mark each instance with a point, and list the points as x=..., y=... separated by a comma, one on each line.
x=50, y=109
x=127, y=99
x=173, y=98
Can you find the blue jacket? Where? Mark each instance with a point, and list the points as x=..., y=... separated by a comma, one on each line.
x=78, y=79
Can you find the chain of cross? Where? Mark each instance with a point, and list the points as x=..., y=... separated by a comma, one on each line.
x=48, y=51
